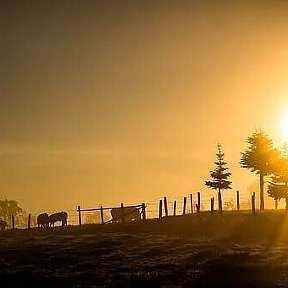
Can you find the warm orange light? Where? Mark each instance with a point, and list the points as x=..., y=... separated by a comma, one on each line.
x=284, y=126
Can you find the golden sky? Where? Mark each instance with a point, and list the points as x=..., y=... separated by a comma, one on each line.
x=103, y=102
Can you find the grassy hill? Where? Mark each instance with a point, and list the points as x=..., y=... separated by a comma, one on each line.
x=232, y=249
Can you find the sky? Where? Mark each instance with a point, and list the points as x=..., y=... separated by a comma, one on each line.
x=103, y=102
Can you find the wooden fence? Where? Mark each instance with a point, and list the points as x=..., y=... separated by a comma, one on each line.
x=124, y=213
x=189, y=207
x=163, y=209
x=163, y=205
x=29, y=222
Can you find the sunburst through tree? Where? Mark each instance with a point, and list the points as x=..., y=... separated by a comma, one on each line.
x=278, y=188
x=259, y=157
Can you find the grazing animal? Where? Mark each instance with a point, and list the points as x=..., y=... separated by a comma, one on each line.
x=130, y=214
x=60, y=216
x=3, y=225
x=43, y=220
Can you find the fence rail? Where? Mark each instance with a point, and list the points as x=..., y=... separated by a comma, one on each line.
x=189, y=204
x=123, y=209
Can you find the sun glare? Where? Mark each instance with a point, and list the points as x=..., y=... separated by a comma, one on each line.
x=284, y=126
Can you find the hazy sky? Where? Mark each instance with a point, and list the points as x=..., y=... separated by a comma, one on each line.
x=125, y=101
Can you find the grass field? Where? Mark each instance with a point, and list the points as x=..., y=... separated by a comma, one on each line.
x=232, y=250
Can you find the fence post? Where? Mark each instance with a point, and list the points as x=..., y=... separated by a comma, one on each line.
x=122, y=213
x=29, y=221
x=253, y=204
x=238, y=201
x=199, y=202
x=143, y=212
x=165, y=206
x=184, y=205
x=79, y=215
x=13, y=222
x=212, y=206
x=191, y=203
x=160, y=208
x=101, y=213
x=174, y=208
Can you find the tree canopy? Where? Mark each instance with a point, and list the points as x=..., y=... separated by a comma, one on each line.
x=278, y=188
x=9, y=208
x=259, y=157
x=276, y=191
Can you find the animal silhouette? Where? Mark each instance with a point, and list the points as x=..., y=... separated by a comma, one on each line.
x=60, y=216
x=43, y=220
x=130, y=214
x=3, y=224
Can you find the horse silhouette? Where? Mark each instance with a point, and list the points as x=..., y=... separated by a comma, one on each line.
x=60, y=216
x=3, y=225
x=43, y=220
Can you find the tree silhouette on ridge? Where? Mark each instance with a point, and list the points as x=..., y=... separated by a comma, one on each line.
x=219, y=176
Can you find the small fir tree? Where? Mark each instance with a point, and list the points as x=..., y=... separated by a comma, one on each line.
x=219, y=176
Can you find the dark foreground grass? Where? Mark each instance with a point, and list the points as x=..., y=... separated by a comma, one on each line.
x=229, y=250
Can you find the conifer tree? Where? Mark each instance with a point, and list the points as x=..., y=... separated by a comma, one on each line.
x=219, y=176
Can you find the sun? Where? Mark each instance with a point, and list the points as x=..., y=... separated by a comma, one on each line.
x=284, y=126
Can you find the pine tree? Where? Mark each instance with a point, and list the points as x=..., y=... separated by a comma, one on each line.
x=219, y=176
x=259, y=158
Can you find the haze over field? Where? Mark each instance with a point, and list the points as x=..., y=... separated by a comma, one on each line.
x=125, y=101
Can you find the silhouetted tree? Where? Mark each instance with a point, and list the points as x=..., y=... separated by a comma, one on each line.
x=9, y=208
x=220, y=176
x=259, y=158
x=278, y=188
x=276, y=191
